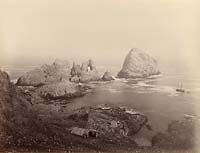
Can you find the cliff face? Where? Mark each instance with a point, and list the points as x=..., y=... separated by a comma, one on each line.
x=5, y=105
x=14, y=111
x=138, y=64
x=5, y=95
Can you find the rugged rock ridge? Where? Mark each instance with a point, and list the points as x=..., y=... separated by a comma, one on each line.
x=138, y=64
x=62, y=90
x=85, y=73
x=58, y=71
x=57, y=81
x=58, y=92
x=110, y=121
x=46, y=74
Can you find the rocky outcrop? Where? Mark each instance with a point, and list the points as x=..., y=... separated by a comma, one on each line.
x=46, y=74
x=25, y=125
x=58, y=71
x=111, y=122
x=51, y=82
x=86, y=73
x=62, y=90
x=115, y=121
x=89, y=76
x=138, y=64
x=180, y=134
x=107, y=76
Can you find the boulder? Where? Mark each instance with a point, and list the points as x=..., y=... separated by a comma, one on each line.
x=46, y=74
x=111, y=122
x=107, y=76
x=61, y=90
x=138, y=64
x=180, y=134
x=86, y=73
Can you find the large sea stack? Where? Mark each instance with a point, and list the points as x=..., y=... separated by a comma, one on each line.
x=138, y=64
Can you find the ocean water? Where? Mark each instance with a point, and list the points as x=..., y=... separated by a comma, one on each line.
x=155, y=96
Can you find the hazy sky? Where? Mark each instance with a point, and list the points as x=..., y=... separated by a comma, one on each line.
x=38, y=31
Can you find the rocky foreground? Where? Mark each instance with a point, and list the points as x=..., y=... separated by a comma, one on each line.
x=25, y=123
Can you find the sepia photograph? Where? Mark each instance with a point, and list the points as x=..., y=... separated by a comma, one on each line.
x=100, y=76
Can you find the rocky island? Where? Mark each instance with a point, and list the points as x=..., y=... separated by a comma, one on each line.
x=46, y=74
x=60, y=70
x=138, y=64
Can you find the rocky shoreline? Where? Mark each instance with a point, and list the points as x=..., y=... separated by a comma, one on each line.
x=32, y=124
x=32, y=118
